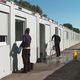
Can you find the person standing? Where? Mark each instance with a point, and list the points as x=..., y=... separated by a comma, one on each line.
x=57, y=40
x=26, y=41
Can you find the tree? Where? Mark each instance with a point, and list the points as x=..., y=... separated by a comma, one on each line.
x=68, y=25
x=76, y=30
x=38, y=9
x=27, y=5
x=44, y=15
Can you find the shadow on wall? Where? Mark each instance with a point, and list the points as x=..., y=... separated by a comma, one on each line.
x=46, y=45
x=13, y=54
x=44, y=55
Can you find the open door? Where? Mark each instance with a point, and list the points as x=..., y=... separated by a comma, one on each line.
x=42, y=42
x=19, y=30
x=56, y=30
x=45, y=35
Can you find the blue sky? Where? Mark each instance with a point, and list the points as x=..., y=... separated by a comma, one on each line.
x=63, y=11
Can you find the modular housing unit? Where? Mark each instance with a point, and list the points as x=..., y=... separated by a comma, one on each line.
x=13, y=22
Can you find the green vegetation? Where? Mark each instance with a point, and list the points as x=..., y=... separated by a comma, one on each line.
x=37, y=9
x=34, y=8
x=27, y=5
x=68, y=25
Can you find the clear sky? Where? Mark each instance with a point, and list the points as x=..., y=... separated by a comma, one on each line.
x=63, y=11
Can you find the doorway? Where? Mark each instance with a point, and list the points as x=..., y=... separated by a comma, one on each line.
x=42, y=42
x=56, y=30
x=19, y=29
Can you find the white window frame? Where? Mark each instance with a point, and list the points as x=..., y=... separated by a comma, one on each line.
x=3, y=43
x=5, y=32
x=24, y=25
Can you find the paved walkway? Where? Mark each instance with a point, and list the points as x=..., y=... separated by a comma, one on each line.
x=42, y=70
x=70, y=71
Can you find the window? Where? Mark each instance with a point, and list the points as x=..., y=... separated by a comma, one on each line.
x=3, y=23
x=67, y=36
x=73, y=36
x=2, y=38
x=56, y=30
x=19, y=25
x=3, y=27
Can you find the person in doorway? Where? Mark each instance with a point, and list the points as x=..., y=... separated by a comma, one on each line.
x=26, y=41
x=57, y=40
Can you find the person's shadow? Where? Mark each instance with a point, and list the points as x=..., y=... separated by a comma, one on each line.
x=14, y=52
x=45, y=53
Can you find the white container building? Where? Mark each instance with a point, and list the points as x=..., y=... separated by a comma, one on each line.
x=13, y=22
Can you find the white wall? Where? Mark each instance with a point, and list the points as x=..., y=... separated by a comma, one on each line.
x=4, y=60
x=48, y=38
x=32, y=21
x=4, y=8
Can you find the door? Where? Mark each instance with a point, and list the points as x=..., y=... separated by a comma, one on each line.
x=19, y=31
x=42, y=42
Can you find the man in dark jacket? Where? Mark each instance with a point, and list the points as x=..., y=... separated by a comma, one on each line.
x=26, y=50
x=57, y=44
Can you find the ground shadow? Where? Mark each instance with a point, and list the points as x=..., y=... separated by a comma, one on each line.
x=70, y=71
